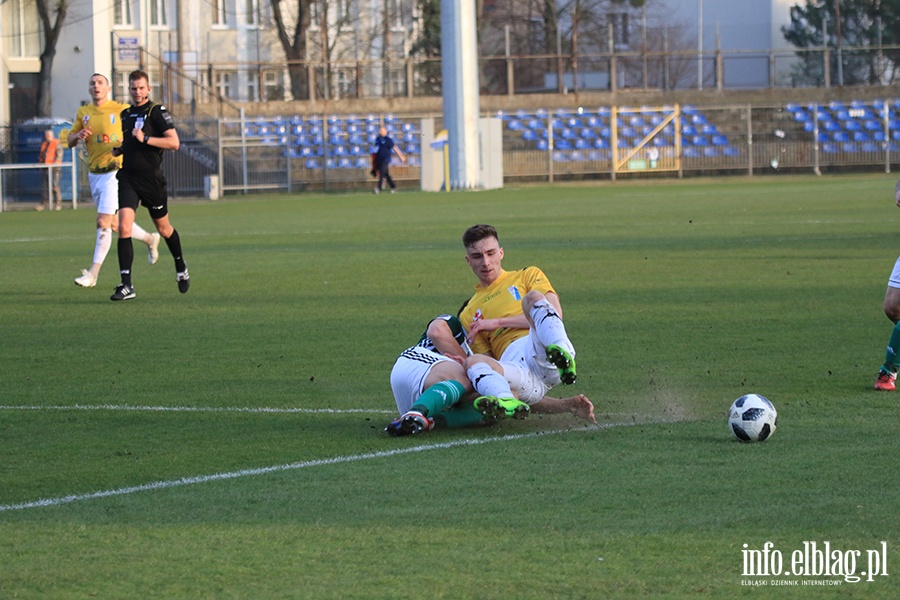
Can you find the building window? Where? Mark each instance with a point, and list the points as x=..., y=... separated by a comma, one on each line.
x=220, y=16
x=252, y=86
x=223, y=84
x=272, y=84
x=158, y=15
x=24, y=38
x=122, y=13
x=252, y=8
x=621, y=30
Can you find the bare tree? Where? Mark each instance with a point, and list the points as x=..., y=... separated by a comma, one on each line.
x=291, y=29
x=51, y=27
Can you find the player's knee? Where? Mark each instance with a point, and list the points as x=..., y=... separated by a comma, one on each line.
x=530, y=299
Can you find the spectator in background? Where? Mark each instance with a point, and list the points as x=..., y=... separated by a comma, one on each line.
x=50, y=154
x=384, y=149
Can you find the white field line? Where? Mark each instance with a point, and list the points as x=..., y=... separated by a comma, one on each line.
x=212, y=409
x=173, y=483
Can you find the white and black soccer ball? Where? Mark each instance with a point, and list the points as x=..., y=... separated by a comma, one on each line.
x=752, y=418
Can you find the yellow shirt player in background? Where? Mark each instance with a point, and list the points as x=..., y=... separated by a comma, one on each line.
x=516, y=333
x=98, y=124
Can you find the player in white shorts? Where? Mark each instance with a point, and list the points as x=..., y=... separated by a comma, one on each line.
x=99, y=125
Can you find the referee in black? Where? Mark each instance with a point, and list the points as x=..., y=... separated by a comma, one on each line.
x=147, y=130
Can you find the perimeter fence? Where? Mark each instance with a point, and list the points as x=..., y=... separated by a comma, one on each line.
x=296, y=153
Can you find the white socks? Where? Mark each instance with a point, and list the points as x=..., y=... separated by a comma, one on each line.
x=101, y=248
x=549, y=326
x=488, y=382
x=138, y=233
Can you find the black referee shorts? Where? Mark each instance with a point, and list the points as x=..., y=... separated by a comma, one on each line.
x=149, y=190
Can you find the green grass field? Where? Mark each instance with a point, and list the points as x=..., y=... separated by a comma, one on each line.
x=228, y=443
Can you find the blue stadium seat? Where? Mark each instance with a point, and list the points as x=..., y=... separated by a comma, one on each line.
x=878, y=136
x=515, y=124
x=588, y=133
x=873, y=125
x=338, y=151
x=699, y=140
x=719, y=140
x=829, y=147
x=870, y=147
x=560, y=156
x=582, y=144
x=730, y=151
x=530, y=135
x=690, y=152
x=577, y=155
x=849, y=147
x=840, y=136
x=562, y=144
x=601, y=144
x=830, y=126
x=688, y=130
x=312, y=163
x=543, y=145
x=860, y=136
x=345, y=163
x=710, y=152
x=709, y=129
x=809, y=126
x=356, y=150
x=568, y=134
x=412, y=149
x=363, y=162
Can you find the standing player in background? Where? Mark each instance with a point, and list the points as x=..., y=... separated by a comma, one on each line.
x=887, y=375
x=384, y=148
x=99, y=125
x=147, y=130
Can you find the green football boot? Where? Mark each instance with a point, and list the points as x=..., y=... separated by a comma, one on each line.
x=564, y=362
x=501, y=408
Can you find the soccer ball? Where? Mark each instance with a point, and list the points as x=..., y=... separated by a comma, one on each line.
x=752, y=418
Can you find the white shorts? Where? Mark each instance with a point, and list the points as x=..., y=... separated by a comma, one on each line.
x=894, y=281
x=409, y=373
x=105, y=191
x=526, y=368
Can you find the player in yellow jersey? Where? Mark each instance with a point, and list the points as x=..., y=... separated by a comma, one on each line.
x=516, y=332
x=99, y=125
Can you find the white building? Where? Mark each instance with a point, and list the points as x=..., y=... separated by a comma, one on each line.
x=230, y=46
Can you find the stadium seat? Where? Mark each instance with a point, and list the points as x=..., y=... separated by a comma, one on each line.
x=878, y=136
x=719, y=140
x=852, y=125
x=709, y=129
x=688, y=130
x=601, y=144
x=849, y=147
x=413, y=149
x=829, y=148
x=690, y=152
x=840, y=136
x=587, y=133
x=312, y=163
x=543, y=145
x=582, y=144
x=870, y=147
x=515, y=124
x=562, y=144
x=560, y=156
x=830, y=126
x=530, y=135
x=730, y=151
x=873, y=125
x=710, y=152
x=809, y=126
x=699, y=140
x=860, y=136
